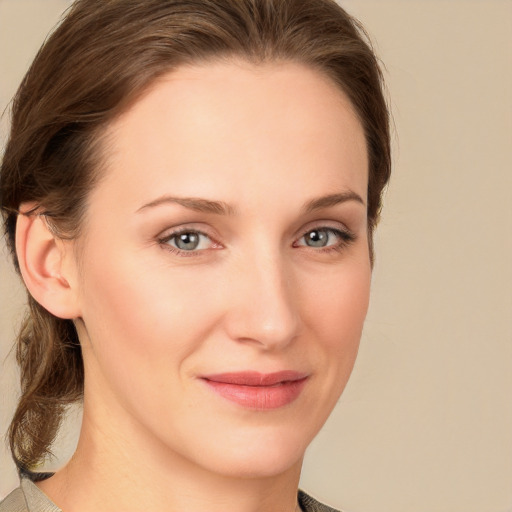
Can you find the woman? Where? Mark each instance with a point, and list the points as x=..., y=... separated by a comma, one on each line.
x=190, y=190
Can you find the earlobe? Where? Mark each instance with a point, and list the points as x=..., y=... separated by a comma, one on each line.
x=43, y=260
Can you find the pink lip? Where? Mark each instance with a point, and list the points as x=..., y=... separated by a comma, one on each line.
x=257, y=390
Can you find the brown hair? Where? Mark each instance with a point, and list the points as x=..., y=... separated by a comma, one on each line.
x=101, y=57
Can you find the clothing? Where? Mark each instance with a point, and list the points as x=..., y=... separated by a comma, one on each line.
x=29, y=498
x=308, y=504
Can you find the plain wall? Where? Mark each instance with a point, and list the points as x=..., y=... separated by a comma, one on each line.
x=425, y=424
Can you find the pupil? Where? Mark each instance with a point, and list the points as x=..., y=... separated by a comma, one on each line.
x=187, y=241
x=317, y=239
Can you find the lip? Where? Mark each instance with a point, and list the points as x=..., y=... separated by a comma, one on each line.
x=256, y=390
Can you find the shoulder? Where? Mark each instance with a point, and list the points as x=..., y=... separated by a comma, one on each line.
x=14, y=502
x=309, y=504
x=27, y=498
x=17, y=501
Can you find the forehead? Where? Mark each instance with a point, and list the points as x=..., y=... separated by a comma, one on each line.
x=242, y=125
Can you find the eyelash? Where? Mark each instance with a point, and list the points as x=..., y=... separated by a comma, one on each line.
x=345, y=238
x=164, y=242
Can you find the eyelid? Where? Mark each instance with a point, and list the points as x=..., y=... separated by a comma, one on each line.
x=346, y=236
x=168, y=235
x=325, y=224
x=186, y=227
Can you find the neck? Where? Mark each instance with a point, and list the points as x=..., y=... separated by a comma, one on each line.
x=112, y=469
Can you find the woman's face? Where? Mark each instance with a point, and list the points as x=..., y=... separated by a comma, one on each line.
x=224, y=268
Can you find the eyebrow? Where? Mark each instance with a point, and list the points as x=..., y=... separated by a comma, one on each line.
x=332, y=200
x=193, y=203
x=222, y=208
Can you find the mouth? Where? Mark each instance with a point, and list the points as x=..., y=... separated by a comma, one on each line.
x=255, y=390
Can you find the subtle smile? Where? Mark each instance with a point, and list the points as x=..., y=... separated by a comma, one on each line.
x=256, y=390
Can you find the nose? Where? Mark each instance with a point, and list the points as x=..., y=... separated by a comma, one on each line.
x=263, y=308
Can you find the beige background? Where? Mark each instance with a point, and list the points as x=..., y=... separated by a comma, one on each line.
x=426, y=421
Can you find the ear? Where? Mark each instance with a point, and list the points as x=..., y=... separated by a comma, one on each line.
x=47, y=265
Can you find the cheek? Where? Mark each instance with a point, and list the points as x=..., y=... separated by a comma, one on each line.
x=334, y=304
x=338, y=300
x=144, y=315
x=141, y=326
x=333, y=311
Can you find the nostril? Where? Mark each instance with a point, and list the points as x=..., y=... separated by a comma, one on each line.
x=262, y=307
x=267, y=324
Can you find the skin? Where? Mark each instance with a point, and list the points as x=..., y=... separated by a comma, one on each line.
x=264, y=141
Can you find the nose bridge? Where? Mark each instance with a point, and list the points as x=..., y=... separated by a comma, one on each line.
x=265, y=306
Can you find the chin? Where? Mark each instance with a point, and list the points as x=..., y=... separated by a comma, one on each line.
x=259, y=463
x=260, y=454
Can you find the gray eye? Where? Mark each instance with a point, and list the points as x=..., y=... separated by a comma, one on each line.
x=317, y=238
x=191, y=241
x=187, y=241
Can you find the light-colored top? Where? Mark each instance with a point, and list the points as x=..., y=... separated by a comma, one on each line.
x=29, y=498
